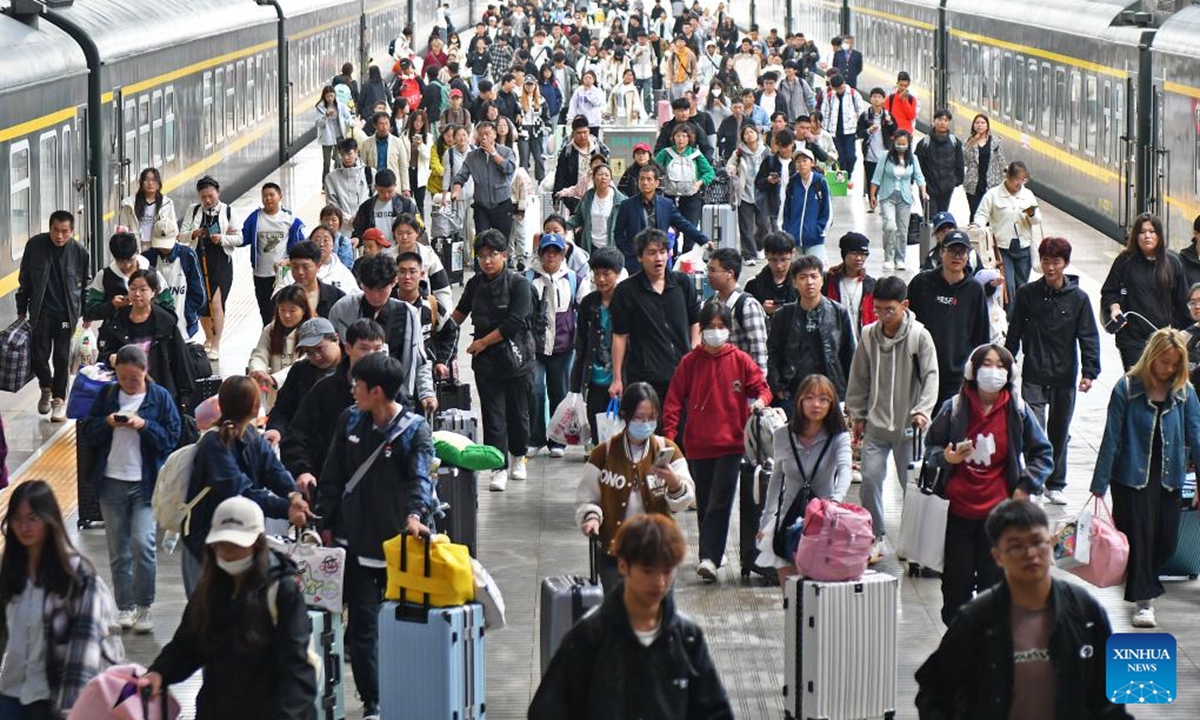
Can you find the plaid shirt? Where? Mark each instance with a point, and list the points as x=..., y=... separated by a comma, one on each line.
x=500, y=59
x=749, y=333
x=80, y=638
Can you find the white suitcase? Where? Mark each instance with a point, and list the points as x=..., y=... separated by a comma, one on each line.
x=840, y=648
x=719, y=223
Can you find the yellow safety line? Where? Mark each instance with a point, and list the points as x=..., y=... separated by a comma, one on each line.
x=32, y=126
x=54, y=463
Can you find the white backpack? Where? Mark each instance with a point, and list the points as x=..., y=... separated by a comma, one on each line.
x=171, y=509
x=681, y=174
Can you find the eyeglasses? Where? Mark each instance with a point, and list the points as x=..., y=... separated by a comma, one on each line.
x=1016, y=551
x=487, y=257
x=886, y=312
x=1193, y=304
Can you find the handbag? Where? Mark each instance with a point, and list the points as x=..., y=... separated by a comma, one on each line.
x=444, y=579
x=567, y=423
x=838, y=181
x=114, y=695
x=789, y=528
x=16, y=359
x=85, y=391
x=1108, y=553
x=609, y=422
x=320, y=570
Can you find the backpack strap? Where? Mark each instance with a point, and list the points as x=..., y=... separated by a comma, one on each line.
x=739, y=307
x=402, y=422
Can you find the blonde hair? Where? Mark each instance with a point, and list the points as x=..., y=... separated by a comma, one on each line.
x=1160, y=343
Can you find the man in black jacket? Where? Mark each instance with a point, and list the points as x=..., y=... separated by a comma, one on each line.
x=812, y=335
x=1051, y=317
x=52, y=283
x=317, y=341
x=637, y=657
x=941, y=158
x=381, y=209
x=1032, y=646
x=392, y=448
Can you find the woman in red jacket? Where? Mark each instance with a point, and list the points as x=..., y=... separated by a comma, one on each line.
x=717, y=385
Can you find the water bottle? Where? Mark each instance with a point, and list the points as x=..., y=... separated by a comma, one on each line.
x=170, y=541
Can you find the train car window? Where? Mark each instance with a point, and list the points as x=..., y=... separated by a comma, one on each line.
x=156, y=127
x=231, y=126
x=169, y=123
x=19, y=200
x=245, y=98
x=207, y=112
x=1106, y=122
x=1060, y=103
x=219, y=103
x=1031, y=96
x=132, y=160
x=144, y=130
x=251, y=86
x=67, y=168
x=258, y=87
x=1018, y=88
x=997, y=73
x=1091, y=111
x=964, y=74
x=985, y=64
x=47, y=174
x=1076, y=103
x=1007, y=90
x=973, y=68
x=1047, y=99
x=1118, y=119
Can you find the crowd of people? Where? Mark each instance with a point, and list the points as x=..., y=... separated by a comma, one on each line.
x=360, y=337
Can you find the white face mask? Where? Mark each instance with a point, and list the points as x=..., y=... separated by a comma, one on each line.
x=715, y=337
x=991, y=379
x=716, y=92
x=236, y=567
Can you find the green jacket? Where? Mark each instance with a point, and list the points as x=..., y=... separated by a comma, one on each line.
x=581, y=220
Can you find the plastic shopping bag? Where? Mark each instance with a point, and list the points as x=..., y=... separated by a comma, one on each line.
x=1073, y=541
x=567, y=424
x=609, y=423
x=83, y=347
x=320, y=569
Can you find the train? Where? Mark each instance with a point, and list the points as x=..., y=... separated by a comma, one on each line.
x=93, y=91
x=1099, y=98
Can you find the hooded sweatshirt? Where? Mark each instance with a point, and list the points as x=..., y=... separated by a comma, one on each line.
x=957, y=318
x=554, y=308
x=893, y=378
x=719, y=388
x=348, y=187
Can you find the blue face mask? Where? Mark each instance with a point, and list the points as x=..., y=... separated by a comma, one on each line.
x=640, y=430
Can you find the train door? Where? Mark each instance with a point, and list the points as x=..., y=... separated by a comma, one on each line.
x=1129, y=198
x=1158, y=157
x=123, y=144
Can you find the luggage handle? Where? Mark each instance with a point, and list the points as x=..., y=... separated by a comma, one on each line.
x=404, y=568
x=918, y=438
x=163, y=696
x=593, y=559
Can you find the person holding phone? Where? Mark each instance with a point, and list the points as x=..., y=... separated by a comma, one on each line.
x=1011, y=210
x=132, y=428
x=988, y=446
x=635, y=471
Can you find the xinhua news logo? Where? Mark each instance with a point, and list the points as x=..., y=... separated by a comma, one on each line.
x=1140, y=668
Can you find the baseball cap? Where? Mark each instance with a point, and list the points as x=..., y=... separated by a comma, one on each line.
x=163, y=236
x=312, y=331
x=641, y=146
x=956, y=237
x=807, y=153
x=853, y=242
x=455, y=92
x=376, y=236
x=943, y=218
x=550, y=240
x=237, y=520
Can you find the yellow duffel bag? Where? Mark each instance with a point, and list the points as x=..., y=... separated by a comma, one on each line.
x=433, y=569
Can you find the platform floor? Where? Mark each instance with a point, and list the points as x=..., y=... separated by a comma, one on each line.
x=526, y=533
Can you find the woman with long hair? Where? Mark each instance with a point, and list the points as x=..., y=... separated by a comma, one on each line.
x=236, y=460
x=1153, y=427
x=245, y=625
x=416, y=143
x=892, y=187
x=56, y=628
x=276, y=347
x=373, y=91
x=551, y=92
x=333, y=121
x=588, y=101
x=534, y=116
x=716, y=102
x=754, y=222
x=989, y=446
x=983, y=157
x=1145, y=289
x=1011, y=210
x=142, y=210
x=132, y=428
x=812, y=459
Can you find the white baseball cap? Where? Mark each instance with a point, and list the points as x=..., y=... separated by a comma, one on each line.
x=237, y=520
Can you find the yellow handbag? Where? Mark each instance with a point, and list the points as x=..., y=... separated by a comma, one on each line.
x=428, y=570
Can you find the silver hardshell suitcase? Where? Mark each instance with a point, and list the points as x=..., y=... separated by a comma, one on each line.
x=840, y=648
x=719, y=223
x=565, y=600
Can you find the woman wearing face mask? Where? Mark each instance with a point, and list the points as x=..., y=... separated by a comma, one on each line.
x=246, y=626
x=717, y=386
x=892, y=186
x=625, y=476
x=988, y=446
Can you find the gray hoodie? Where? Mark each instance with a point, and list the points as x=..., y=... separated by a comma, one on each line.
x=347, y=188
x=891, y=379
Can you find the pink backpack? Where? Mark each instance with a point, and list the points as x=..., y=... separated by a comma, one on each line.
x=836, y=543
x=113, y=695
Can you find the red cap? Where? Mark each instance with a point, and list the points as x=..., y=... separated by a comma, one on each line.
x=641, y=146
x=376, y=236
x=455, y=92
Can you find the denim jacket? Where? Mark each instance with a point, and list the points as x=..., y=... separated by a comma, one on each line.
x=1125, y=450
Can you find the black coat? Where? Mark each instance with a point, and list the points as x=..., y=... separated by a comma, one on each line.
x=783, y=347
x=588, y=340
x=603, y=672
x=34, y=276
x=273, y=681
x=300, y=379
x=306, y=443
x=1049, y=323
x=941, y=162
x=167, y=354
x=970, y=675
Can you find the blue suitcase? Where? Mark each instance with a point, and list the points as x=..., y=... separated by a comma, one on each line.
x=327, y=639
x=1186, y=560
x=448, y=681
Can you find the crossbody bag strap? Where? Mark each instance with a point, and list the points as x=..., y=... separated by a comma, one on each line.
x=397, y=426
x=803, y=476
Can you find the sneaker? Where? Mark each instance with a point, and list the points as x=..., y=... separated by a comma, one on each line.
x=520, y=468
x=900, y=267
x=877, y=552
x=850, y=185
x=58, y=410
x=44, y=402
x=707, y=571
x=870, y=209
x=1055, y=497
x=142, y=622
x=499, y=481
x=370, y=711
x=557, y=452
x=751, y=262
x=1143, y=617
x=214, y=353
x=532, y=451
x=888, y=266
x=125, y=618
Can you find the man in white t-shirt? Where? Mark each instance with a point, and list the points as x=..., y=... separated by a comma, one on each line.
x=269, y=232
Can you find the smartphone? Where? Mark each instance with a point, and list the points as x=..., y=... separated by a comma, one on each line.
x=120, y=418
x=664, y=457
x=962, y=446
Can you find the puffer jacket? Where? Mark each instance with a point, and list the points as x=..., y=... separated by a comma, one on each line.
x=34, y=276
x=603, y=672
x=276, y=680
x=942, y=163
x=806, y=211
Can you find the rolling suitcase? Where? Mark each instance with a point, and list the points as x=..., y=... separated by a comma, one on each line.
x=840, y=648
x=750, y=509
x=327, y=638
x=704, y=290
x=463, y=422
x=89, y=504
x=453, y=395
x=1186, y=560
x=458, y=495
x=448, y=681
x=452, y=252
x=206, y=388
x=719, y=222
x=566, y=599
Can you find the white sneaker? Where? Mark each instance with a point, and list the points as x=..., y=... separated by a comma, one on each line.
x=877, y=552
x=1055, y=497
x=707, y=571
x=1143, y=617
x=499, y=481
x=557, y=452
x=888, y=266
x=125, y=618
x=519, y=468
x=900, y=267
x=142, y=622
x=532, y=451
x=751, y=262
x=43, y=407
x=58, y=410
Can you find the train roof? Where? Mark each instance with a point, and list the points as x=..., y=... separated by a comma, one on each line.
x=1180, y=33
x=125, y=28
x=58, y=56
x=1087, y=18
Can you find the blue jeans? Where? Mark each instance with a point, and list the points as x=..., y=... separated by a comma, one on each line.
x=895, y=214
x=550, y=378
x=129, y=529
x=1017, y=264
x=847, y=154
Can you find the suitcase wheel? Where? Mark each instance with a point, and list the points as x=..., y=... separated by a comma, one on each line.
x=1193, y=577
